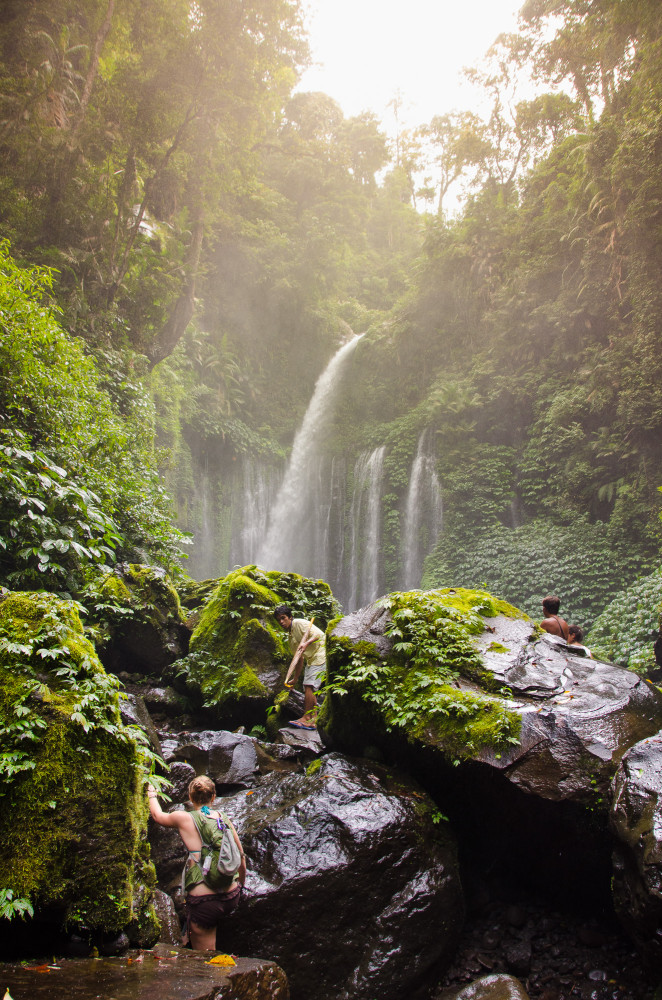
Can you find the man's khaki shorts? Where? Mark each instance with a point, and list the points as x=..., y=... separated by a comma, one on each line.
x=313, y=675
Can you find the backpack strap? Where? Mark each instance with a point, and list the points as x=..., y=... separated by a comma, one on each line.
x=563, y=635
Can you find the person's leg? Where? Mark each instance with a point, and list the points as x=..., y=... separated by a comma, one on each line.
x=202, y=938
x=309, y=716
x=312, y=681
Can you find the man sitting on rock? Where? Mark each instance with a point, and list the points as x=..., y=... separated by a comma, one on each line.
x=551, y=622
x=205, y=906
x=309, y=641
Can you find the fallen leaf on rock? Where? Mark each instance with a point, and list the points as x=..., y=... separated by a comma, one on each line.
x=221, y=960
x=38, y=968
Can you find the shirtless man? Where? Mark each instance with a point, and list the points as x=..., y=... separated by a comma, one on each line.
x=204, y=906
x=551, y=622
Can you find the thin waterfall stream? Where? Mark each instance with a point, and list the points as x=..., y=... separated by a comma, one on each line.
x=295, y=532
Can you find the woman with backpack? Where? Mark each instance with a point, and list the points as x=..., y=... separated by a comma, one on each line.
x=215, y=869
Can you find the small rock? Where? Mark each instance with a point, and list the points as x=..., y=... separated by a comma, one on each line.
x=78, y=946
x=491, y=939
x=516, y=916
x=181, y=774
x=518, y=957
x=113, y=944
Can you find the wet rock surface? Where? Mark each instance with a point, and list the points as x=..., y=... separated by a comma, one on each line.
x=160, y=974
x=636, y=819
x=227, y=758
x=134, y=712
x=351, y=889
x=572, y=957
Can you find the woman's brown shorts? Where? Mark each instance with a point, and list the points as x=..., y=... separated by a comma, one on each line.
x=206, y=911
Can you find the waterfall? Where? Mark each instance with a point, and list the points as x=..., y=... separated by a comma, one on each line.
x=259, y=487
x=423, y=515
x=295, y=536
x=364, y=526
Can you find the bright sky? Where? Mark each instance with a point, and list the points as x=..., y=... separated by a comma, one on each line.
x=367, y=50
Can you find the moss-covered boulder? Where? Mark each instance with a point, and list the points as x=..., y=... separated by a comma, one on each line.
x=465, y=675
x=138, y=619
x=238, y=653
x=73, y=811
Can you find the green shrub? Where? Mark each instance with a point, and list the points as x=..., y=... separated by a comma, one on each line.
x=625, y=631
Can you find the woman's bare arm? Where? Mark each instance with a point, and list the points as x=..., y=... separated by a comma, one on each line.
x=176, y=819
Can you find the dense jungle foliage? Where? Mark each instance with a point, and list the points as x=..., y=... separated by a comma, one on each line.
x=189, y=239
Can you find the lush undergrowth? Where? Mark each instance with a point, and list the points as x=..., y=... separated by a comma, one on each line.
x=77, y=455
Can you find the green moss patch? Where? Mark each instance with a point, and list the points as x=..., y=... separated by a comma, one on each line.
x=415, y=689
x=73, y=812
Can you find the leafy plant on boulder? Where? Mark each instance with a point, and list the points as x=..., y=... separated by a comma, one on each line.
x=412, y=687
x=136, y=619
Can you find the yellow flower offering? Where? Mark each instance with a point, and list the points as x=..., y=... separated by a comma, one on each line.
x=221, y=960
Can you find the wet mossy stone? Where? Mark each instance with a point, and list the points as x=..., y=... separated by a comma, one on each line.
x=194, y=594
x=138, y=619
x=461, y=673
x=238, y=652
x=413, y=660
x=73, y=814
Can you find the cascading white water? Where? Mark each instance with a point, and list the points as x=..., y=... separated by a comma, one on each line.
x=423, y=515
x=295, y=535
x=260, y=484
x=365, y=526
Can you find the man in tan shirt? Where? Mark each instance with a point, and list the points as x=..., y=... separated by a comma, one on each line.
x=310, y=641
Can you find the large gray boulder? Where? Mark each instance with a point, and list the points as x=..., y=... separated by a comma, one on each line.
x=352, y=888
x=636, y=819
x=573, y=717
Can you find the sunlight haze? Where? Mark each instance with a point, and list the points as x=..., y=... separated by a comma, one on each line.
x=365, y=51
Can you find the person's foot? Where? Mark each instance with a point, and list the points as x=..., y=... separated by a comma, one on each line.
x=303, y=723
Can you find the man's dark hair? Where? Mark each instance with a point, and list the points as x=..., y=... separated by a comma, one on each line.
x=577, y=631
x=551, y=605
x=281, y=610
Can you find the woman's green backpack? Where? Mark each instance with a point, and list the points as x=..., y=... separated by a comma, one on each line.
x=219, y=856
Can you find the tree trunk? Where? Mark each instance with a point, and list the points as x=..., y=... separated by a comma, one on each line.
x=182, y=311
